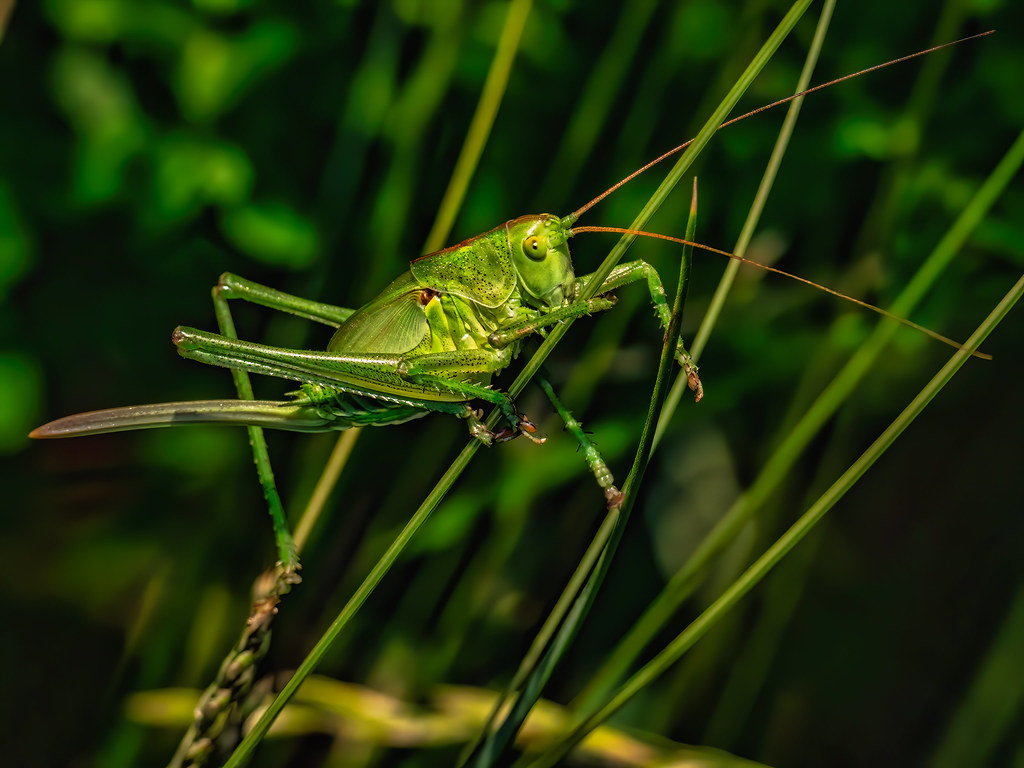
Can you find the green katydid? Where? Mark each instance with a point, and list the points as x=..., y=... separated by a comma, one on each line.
x=430, y=341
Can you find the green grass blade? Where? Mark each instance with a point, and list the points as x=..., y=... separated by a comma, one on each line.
x=480, y=127
x=760, y=568
x=485, y=744
x=544, y=652
x=992, y=706
x=325, y=484
x=598, y=97
x=665, y=367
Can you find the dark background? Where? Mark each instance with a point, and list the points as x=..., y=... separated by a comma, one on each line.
x=149, y=146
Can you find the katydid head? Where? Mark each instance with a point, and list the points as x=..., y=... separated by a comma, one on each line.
x=540, y=254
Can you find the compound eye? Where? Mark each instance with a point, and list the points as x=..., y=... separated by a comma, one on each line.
x=534, y=248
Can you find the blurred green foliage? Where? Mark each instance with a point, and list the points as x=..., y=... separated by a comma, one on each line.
x=149, y=146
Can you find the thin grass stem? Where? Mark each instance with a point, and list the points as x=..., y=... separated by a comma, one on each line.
x=481, y=124
x=324, y=485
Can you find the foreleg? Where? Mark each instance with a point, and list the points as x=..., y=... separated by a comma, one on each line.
x=518, y=330
x=632, y=272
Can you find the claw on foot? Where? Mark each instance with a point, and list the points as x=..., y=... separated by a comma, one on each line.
x=693, y=382
x=527, y=428
x=504, y=434
x=477, y=428
x=614, y=496
x=523, y=427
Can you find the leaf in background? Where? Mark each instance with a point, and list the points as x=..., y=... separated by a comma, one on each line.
x=272, y=233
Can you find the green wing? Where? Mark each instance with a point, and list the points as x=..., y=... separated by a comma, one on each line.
x=479, y=269
x=393, y=323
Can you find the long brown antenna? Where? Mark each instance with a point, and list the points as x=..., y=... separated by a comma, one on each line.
x=572, y=217
x=766, y=268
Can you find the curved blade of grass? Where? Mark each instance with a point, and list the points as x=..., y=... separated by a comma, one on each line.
x=324, y=485
x=683, y=583
x=598, y=97
x=760, y=568
x=577, y=583
x=574, y=603
x=481, y=124
x=990, y=711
